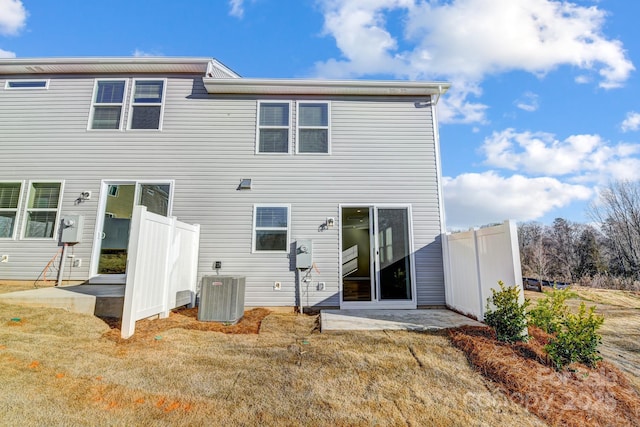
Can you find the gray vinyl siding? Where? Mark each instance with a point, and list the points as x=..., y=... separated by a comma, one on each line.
x=382, y=152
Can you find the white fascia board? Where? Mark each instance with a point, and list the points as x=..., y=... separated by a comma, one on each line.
x=324, y=87
x=18, y=66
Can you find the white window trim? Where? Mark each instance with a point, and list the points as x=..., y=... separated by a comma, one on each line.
x=132, y=104
x=96, y=104
x=27, y=209
x=254, y=229
x=298, y=126
x=7, y=84
x=17, y=210
x=289, y=127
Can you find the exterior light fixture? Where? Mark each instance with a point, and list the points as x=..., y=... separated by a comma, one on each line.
x=245, y=184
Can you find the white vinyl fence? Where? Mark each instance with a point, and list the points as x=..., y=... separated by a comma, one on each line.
x=162, y=267
x=475, y=261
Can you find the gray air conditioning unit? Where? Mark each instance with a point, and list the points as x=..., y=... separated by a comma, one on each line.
x=221, y=299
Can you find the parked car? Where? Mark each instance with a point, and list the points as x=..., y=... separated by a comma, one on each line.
x=537, y=284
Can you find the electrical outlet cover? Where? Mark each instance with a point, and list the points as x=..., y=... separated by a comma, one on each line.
x=277, y=286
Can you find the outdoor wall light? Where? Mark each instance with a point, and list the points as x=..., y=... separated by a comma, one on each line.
x=245, y=184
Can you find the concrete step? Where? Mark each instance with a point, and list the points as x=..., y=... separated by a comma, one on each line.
x=98, y=300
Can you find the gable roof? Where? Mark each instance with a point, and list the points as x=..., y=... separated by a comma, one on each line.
x=205, y=66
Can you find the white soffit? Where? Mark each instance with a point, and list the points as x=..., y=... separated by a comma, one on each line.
x=205, y=66
x=324, y=87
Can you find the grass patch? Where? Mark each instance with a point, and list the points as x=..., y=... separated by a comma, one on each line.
x=60, y=368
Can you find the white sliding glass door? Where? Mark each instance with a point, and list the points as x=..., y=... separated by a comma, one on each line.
x=377, y=258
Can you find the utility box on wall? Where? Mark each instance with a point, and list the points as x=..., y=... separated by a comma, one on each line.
x=304, y=254
x=71, y=228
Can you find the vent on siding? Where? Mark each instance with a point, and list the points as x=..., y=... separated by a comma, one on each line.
x=221, y=299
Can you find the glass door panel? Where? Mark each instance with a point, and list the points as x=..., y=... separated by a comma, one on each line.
x=394, y=254
x=115, y=230
x=357, y=259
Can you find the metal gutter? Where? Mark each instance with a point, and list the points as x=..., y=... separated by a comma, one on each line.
x=324, y=87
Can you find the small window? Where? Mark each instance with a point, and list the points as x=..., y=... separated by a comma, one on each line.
x=26, y=84
x=273, y=127
x=9, y=202
x=271, y=228
x=107, y=104
x=112, y=191
x=146, y=104
x=313, y=127
x=42, y=210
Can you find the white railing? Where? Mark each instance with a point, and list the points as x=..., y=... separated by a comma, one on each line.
x=474, y=262
x=162, y=264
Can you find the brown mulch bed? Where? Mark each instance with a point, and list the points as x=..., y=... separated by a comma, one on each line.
x=185, y=318
x=578, y=396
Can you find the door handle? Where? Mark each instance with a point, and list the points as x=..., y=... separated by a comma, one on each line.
x=103, y=235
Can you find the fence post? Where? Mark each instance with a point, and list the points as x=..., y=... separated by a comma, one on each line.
x=129, y=309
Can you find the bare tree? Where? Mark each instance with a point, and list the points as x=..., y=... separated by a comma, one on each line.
x=618, y=213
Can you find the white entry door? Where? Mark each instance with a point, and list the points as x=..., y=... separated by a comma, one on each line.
x=377, y=257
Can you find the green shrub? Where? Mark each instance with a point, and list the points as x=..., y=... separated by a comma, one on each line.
x=549, y=312
x=577, y=340
x=509, y=318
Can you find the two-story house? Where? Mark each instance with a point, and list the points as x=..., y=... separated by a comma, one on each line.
x=351, y=168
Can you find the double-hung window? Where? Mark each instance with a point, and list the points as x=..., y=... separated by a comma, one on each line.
x=43, y=205
x=146, y=104
x=271, y=228
x=313, y=127
x=9, y=202
x=274, y=123
x=108, y=102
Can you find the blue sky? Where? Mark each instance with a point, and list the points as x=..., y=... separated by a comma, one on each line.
x=543, y=109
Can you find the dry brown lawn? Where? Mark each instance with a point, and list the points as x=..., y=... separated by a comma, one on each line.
x=60, y=368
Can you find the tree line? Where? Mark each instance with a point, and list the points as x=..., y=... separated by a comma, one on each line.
x=606, y=252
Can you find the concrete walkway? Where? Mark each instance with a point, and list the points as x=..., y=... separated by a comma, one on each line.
x=99, y=300
x=409, y=320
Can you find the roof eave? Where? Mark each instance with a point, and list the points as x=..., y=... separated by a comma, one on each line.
x=324, y=87
x=155, y=64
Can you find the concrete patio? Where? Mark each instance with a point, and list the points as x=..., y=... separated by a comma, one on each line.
x=410, y=320
x=99, y=300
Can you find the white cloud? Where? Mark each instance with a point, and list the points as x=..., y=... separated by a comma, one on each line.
x=582, y=157
x=476, y=199
x=631, y=123
x=13, y=16
x=236, y=8
x=528, y=102
x=466, y=40
x=7, y=54
x=142, y=53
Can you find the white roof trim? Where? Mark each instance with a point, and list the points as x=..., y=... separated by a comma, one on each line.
x=324, y=87
x=204, y=66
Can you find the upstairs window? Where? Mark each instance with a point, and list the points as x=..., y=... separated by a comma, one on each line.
x=107, y=104
x=26, y=84
x=313, y=127
x=273, y=127
x=146, y=104
x=271, y=228
x=9, y=201
x=42, y=210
